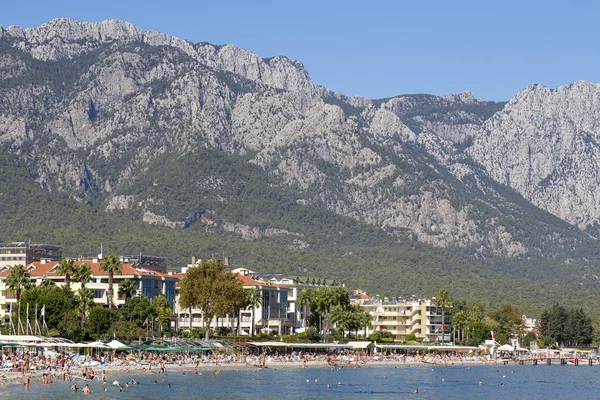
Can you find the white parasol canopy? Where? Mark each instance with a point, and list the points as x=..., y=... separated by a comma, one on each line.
x=115, y=344
x=98, y=345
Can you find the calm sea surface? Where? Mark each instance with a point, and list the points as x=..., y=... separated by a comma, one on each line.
x=455, y=382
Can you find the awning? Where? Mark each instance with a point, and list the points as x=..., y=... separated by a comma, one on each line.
x=360, y=345
x=98, y=345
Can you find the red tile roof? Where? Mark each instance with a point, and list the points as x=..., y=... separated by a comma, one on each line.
x=38, y=269
x=248, y=281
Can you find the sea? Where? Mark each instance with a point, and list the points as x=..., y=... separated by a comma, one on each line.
x=369, y=382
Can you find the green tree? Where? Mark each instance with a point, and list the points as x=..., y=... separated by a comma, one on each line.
x=85, y=301
x=205, y=287
x=464, y=320
x=254, y=299
x=163, y=312
x=82, y=273
x=229, y=297
x=137, y=310
x=507, y=318
x=112, y=265
x=17, y=280
x=365, y=320
x=128, y=288
x=580, y=328
x=566, y=327
x=304, y=301
x=55, y=300
x=100, y=320
x=126, y=331
x=528, y=339
x=443, y=301
x=69, y=326
x=321, y=301
x=66, y=268
x=237, y=298
x=48, y=283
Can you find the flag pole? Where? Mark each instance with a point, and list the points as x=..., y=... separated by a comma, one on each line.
x=36, y=326
x=44, y=318
x=19, y=326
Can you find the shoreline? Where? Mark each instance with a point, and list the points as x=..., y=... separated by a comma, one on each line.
x=115, y=372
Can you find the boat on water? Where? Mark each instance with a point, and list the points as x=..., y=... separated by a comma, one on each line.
x=582, y=361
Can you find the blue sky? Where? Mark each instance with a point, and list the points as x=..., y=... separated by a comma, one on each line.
x=376, y=48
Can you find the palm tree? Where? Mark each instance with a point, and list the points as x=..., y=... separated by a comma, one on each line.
x=128, y=288
x=443, y=301
x=304, y=301
x=82, y=274
x=17, y=280
x=85, y=298
x=67, y=269
x=112, y=265
x=163, y=311
x=254, y=299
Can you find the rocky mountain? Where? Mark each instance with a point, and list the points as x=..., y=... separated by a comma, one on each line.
x=125, y=119
x=544, y=144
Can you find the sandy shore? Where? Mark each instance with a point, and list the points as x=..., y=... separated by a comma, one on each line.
x=112, y=372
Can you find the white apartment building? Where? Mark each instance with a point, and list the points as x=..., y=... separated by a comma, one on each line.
x=421, y=318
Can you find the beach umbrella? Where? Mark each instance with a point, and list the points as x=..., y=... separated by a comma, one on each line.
x=98, y=344
x=115, y=344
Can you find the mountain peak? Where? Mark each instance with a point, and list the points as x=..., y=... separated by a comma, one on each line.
x=68, y=38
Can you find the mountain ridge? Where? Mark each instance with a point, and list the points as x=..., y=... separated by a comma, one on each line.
x=197, y=137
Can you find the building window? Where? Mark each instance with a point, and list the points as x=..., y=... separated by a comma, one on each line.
x=98, y=293
x=266, y=307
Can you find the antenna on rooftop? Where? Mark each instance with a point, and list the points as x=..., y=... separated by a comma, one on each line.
x=100, y=256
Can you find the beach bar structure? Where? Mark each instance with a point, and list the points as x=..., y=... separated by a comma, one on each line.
x=390, y=348
x=364, y=345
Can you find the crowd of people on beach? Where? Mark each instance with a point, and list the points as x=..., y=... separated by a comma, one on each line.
x=49, y=367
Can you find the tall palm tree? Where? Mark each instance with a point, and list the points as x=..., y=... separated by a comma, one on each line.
x=254, y=299
x=443, y=301
x=112, y=265
x=128, y=288
x=67, y=269
x=17, y=280
x=82, y=274
x=304, y=301
x=85, y=299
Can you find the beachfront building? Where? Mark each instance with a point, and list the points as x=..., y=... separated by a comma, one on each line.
x=272, y=314
x=421, y=318
x=23, y=253
x=358, y=297
x=149, y=282
x=295, y=283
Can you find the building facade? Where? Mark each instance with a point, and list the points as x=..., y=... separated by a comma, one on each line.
x=23, y=253
x=421, y=318
x=149, y=282
x=272, y=314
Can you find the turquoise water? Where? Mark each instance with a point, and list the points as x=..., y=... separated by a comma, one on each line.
x=455, y=382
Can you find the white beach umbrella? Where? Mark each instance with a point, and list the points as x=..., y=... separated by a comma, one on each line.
x=115, y=344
